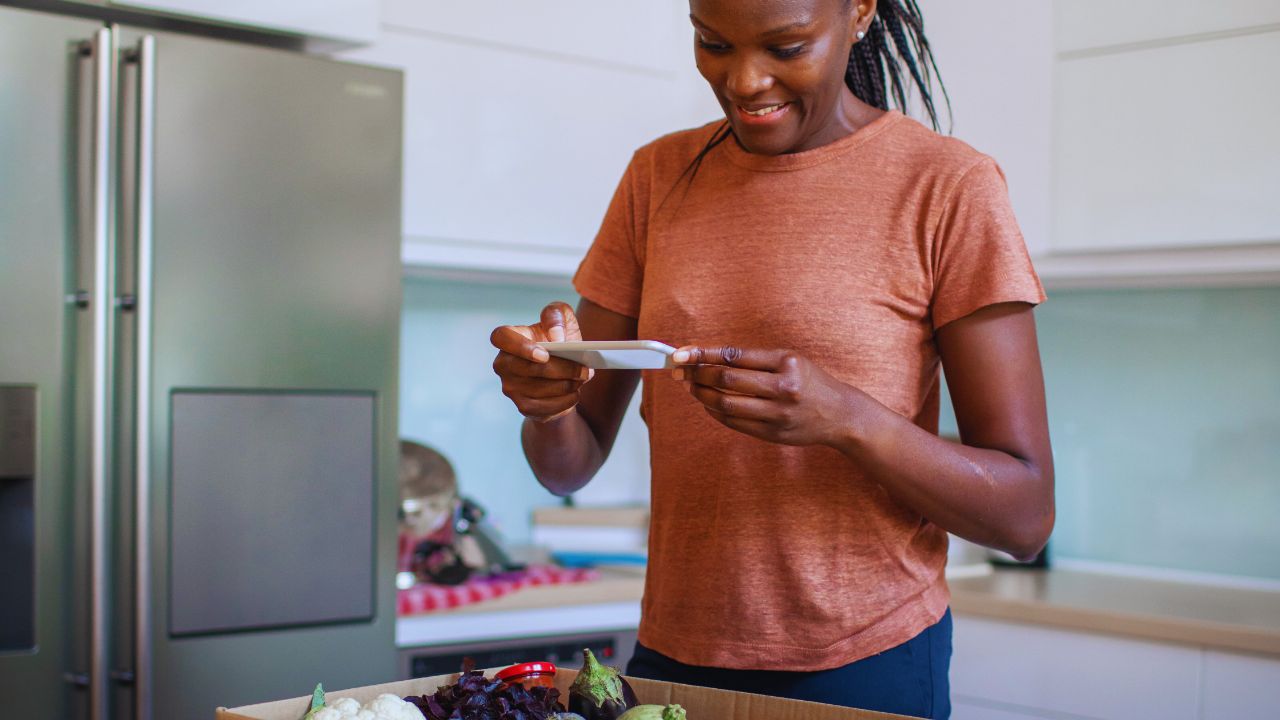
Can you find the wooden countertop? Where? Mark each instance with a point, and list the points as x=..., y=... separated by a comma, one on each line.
x=1217, y=617
x=617, y=583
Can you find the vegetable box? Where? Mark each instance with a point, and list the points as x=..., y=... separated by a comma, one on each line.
x=701, y=703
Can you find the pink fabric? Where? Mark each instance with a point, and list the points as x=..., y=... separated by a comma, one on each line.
x=426, y=597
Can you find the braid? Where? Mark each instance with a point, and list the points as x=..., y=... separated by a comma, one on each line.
x=872, y=61
x=722, y=133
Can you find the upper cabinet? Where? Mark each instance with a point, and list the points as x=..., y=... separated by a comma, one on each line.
x=347, y=21
x=1165, y=142
x=520, y=119
x=1084, y=25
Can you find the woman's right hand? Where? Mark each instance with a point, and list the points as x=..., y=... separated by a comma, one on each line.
x=542, y=387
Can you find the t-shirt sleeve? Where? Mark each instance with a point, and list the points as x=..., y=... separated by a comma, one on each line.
x=612, y=272
x=979, y=255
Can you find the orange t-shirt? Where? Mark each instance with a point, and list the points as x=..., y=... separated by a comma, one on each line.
x=852, y=254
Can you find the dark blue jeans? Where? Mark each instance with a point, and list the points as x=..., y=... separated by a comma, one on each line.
x=910, y=679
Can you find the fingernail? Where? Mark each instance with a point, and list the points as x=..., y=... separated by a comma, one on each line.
x=590, y=373
x=556, y=332
x=541, y=355
x=680, y=356
x=677, y=374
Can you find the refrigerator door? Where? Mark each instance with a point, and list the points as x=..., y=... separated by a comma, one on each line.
x=270, y=297
x=48, y=177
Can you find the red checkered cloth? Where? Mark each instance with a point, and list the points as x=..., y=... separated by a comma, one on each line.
x=427, y=597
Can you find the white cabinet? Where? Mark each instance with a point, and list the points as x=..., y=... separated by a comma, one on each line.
x=1012, y=670
x=1240, y=686
x=1145, y=160
x=1165, y=143
x=352, y=21
x=1091, y=24
x=520, y=119
x=1034, y=670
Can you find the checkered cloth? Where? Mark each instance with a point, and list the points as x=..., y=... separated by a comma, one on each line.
x=427, y=597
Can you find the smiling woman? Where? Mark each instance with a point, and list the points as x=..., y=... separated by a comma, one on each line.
x=824, y=257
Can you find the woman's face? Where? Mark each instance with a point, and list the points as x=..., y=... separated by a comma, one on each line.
x=777, y=67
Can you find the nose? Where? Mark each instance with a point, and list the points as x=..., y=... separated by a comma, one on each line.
x=748, y=78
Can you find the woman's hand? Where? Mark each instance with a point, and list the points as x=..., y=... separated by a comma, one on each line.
x=774, y=395
x=542, y=387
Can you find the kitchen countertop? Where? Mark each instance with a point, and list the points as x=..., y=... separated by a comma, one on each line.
x=1218, y=617
x=1224, y=618
x=608, y=604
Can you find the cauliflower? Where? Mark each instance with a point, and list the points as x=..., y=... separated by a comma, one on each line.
x=383, y=707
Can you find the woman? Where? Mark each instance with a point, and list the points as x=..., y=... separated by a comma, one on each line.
x=816, y=258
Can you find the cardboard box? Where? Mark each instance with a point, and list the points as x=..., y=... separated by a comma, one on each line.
x=701, y=703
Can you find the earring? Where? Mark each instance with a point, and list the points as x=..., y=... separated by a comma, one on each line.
x=861, y=34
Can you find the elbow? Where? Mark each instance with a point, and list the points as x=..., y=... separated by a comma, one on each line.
x=1030, y=533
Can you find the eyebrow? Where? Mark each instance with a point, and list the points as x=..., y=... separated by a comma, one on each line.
x=790, y=27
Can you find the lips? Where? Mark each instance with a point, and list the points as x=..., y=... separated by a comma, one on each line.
x=762, y=113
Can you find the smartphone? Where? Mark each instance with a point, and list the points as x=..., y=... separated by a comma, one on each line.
x=614, y=354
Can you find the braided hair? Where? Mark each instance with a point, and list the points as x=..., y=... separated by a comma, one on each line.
x=872, y=60
x=895, y=40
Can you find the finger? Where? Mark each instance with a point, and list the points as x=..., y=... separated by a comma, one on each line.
x=543, y=389
x=518, y=340
x=732, y=355
x=754, y=428
x=736, y=380
x=507, y=365
x=739, y=406
x=560, y=323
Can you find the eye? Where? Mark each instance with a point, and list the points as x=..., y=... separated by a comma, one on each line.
x=709, y=46
x=789, y=51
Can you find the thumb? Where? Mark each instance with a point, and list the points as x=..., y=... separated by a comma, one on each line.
x=560, y=323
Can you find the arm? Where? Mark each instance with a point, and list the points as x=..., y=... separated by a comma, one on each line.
x=996, y=489
x=570, y=424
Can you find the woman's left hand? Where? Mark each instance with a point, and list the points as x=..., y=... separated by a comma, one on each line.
x=775, y=395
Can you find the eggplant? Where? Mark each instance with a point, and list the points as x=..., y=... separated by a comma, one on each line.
x=600, y=692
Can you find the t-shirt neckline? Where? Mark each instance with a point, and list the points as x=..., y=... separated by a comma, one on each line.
x=808, y=158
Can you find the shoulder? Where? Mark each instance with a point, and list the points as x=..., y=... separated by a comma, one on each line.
x=673, y=152
x=944, y=160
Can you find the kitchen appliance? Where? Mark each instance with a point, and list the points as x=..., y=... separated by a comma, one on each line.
x=199, y=309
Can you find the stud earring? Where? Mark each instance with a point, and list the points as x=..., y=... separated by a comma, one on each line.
x=861, y=34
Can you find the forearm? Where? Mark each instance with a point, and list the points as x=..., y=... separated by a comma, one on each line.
x=564, y=453
x=985, y=495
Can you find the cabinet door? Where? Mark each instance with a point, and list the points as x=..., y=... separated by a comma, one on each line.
x=1084, y=24
x=1168, y=147
x=1240, y=686
x=349, y=20
x=1033, y=669
x=513, y=152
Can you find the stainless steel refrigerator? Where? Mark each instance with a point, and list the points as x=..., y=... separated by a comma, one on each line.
x=199, y=312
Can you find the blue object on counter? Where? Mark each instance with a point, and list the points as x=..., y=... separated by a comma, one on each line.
x=589, y=559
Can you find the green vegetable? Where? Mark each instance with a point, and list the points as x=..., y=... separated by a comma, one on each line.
x=317, y=701
x=599, y=692
x=654, y=712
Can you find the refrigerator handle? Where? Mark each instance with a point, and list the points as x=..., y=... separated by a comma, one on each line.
x=101, y=306
x=144, y=57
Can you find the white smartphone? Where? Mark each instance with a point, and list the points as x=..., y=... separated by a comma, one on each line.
x=614, y=354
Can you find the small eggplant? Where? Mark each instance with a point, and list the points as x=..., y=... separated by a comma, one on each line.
x=654, y=712
x=600, y=692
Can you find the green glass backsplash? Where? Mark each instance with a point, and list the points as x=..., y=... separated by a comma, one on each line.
x=1164, y=411
x=452, y=401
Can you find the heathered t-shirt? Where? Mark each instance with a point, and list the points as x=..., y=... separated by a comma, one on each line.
x=852, y=254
